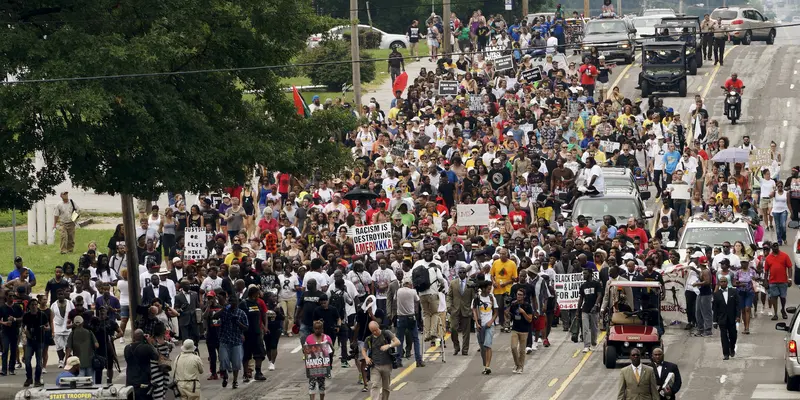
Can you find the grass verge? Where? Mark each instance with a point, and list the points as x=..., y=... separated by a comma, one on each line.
x=5, y=218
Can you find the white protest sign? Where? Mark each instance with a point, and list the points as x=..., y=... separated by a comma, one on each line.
x=195, y=244
x=568, y=289
x=472, y=214
x=673, y=308
x=370, y=238
x=679, y=192
x=608, y=146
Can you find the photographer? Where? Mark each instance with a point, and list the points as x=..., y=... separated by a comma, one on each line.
x=376, y=353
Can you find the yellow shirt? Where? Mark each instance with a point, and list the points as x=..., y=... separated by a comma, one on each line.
x=503, y=273
x=230, y=257
x=623, y=120
x=393, y=113
x=731, y=195
x=596, y=119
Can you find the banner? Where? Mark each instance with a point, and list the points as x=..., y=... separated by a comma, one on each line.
x=317, y=359
x=503, y=63
x=568, y=289
x=472, y=214
x=760, y=158
x=194, y=244
x=448, y=88
x=369, y=238
x=673, y=308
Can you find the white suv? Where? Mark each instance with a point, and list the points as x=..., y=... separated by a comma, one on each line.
x=745, y=24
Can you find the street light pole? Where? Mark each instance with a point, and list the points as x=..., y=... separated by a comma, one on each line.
x=132, y=257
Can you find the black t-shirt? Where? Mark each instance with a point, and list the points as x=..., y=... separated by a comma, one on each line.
x=362, y=319
x=53, y=287
x=309, y=303
x=212, y=334
x=34, y=324
x=329, y=317
x=499, y=177
x=519, y=323
x=145, y=256
x=210, y=216
x=250, y=308
x=7, y=312
x=667, y=234
x=589, y=291
x=448, y=193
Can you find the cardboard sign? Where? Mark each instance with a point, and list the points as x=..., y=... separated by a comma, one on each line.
x=568, y=289
x=448, y=88
x=608, y=146
x=369, y=238
x=317, y=359
x=472, y=214
x=271, y=243
x=531, y=75
x=679, y=192
x=475, y=103
x=760, y=158
x=503, y=63
x=195, y=244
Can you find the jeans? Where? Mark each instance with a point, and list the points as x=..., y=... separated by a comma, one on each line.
x=780, y=225
x=501, y=308
x=33, y=350
x=213, y=349
x=658, y=181
x=10, y=350
x=404, y=324
x=89, y=371
x=230, y=357
x=703, y=314
x=589, y=320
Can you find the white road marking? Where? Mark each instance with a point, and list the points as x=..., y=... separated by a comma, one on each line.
x=785, y=123
x=723, y=378
x=627, y=76
x=297, y=349
x=773, y=391
x=791, y=86
x=795, y=72
x=781, y=145
x=788, y=103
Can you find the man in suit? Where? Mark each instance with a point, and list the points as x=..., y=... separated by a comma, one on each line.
x=459, y=305
x=637, y=382
x=726, y=306
x=186, y=302
x=662, y=370
x=156, y=290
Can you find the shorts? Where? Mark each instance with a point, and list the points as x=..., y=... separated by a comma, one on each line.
x=433, y=43
x=765, y=202
x=316, y=385
x=539, y=323
x=61, y=342
x=254, y=347
x=361, y=345
x=271, y=339
x=485, y=336
x=230, y=357
x=746, y=299
x=125, y=311
x=777, y=290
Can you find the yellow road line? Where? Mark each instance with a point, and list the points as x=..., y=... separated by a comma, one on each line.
x=624, y=73
x=552, y=382
x=576, y=353
x=411, y=368
x=575, y=372
x=400, y=386
x=716, y=69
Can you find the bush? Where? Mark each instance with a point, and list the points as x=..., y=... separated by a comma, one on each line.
x=333, y=76
x=367, y=39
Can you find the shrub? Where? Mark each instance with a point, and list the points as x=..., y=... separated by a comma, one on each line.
x=367, y=39
x=333, y=76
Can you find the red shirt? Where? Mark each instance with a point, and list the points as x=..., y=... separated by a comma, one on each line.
x=518, y=219
x=271, y=226
x=588, y=73
x=777, y=265
x=583, y=231
x=632, y=233
x=730, y=84
x=283, y=183
x=702, y=153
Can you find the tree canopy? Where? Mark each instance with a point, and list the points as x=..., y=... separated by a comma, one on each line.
x=152, y=133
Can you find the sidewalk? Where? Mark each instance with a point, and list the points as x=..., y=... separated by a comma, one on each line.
x=384, y=94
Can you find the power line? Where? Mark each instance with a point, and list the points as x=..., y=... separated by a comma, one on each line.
x=281, y=66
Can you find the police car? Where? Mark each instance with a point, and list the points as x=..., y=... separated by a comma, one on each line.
x=79, y=387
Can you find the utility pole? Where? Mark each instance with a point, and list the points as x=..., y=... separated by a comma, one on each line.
x=680, y=7
x=132, y=255
x=446, y=35
x=355, y=57
x=586, y=9
x=619, y=7
x=524, y=10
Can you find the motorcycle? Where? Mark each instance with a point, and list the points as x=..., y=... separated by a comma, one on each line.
x=733, y=105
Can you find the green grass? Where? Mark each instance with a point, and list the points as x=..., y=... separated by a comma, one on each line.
x=42, y=259
x=5, y=218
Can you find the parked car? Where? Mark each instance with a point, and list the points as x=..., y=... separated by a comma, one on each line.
x=388, y=40
x=746, y=24
x=645, y=25
x=791, y=369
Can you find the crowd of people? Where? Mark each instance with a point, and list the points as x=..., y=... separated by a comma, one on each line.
x=527, y=149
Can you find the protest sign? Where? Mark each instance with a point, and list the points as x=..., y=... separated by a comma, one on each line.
x=399, y=147
x=608, y=146
x=673, y=308
x=475, y=103
x=760, y=158
x=448, y=88
x=532, y=75
x=679, y=192
x=194, y=244
x=568, y=289
x=271, y=243
x=493, y=53
x=317, y=359
x=369, y=238
x=472, y=214
x=503, y=63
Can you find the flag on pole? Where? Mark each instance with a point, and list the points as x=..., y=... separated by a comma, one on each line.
x=300, y=103
x=400, y=83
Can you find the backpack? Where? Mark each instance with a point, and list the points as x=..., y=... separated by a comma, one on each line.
x=421, y=279
x=337, y=299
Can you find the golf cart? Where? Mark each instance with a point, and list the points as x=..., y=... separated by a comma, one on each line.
x=663, y=68
x=684, y=29
x=79, y=387
x=628, y=329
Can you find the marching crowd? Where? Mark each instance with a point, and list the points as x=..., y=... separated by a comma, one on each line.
x=280, y=260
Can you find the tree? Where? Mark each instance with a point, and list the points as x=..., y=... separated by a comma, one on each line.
x=335, y=75
x=149, y=134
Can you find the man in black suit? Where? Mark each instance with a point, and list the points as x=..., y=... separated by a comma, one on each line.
x=156, y=290
x=186, y=303
x=662, y=370
x=726, y=306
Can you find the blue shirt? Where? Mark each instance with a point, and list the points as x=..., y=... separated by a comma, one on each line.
x=14, y=274
x=64, y=374
x=230, y=332
x=671, y=160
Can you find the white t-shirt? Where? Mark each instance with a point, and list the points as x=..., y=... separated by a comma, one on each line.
x=733, y=258
x=88, y=301
x=211, y=284
x=767, y=187
x=600, y=182
x=382, y=279
x=122, y=285
x=319, y=277
x=288, y=284
x=365, y=278
x=486, y=308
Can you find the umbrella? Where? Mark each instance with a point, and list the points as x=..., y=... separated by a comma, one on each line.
x=360, y=193
x=732, y=156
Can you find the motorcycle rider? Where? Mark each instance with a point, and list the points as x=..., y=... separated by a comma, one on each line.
x=736, y=85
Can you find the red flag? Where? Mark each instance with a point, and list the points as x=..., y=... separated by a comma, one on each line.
x=400, y=83
x=300, y=103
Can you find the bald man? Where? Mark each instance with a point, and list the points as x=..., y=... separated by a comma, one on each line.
x=138, y=355
x=376, y=352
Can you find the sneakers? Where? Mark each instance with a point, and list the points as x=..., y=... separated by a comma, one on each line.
x=27, y=383
x=585, y=349
x=235, y=385
x=546, y=343
x=245, y=380
x=345, y=364
x=528, y=350
x=12, y=373
x=44, y=370
x=19, y=365
x=520, y=370
x=60, y=363
x=38, y=384
x=259, y=377
x=534, y=346
x=213, y=377
x=514, y=371
x=122, y=340
x=272, y=366
x=420, y=364
x=487, y=371
x=290, y=334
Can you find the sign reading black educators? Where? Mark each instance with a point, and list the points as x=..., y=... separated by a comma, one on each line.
x=568, y=289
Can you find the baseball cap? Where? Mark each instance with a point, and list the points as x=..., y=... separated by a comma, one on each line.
x=17, y=259
x=73, y=361
x=211, y=293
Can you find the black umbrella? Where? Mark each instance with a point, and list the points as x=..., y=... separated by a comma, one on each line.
x=360, y=193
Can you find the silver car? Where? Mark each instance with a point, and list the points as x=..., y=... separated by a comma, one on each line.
x=791, y=374
x=745, y=24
